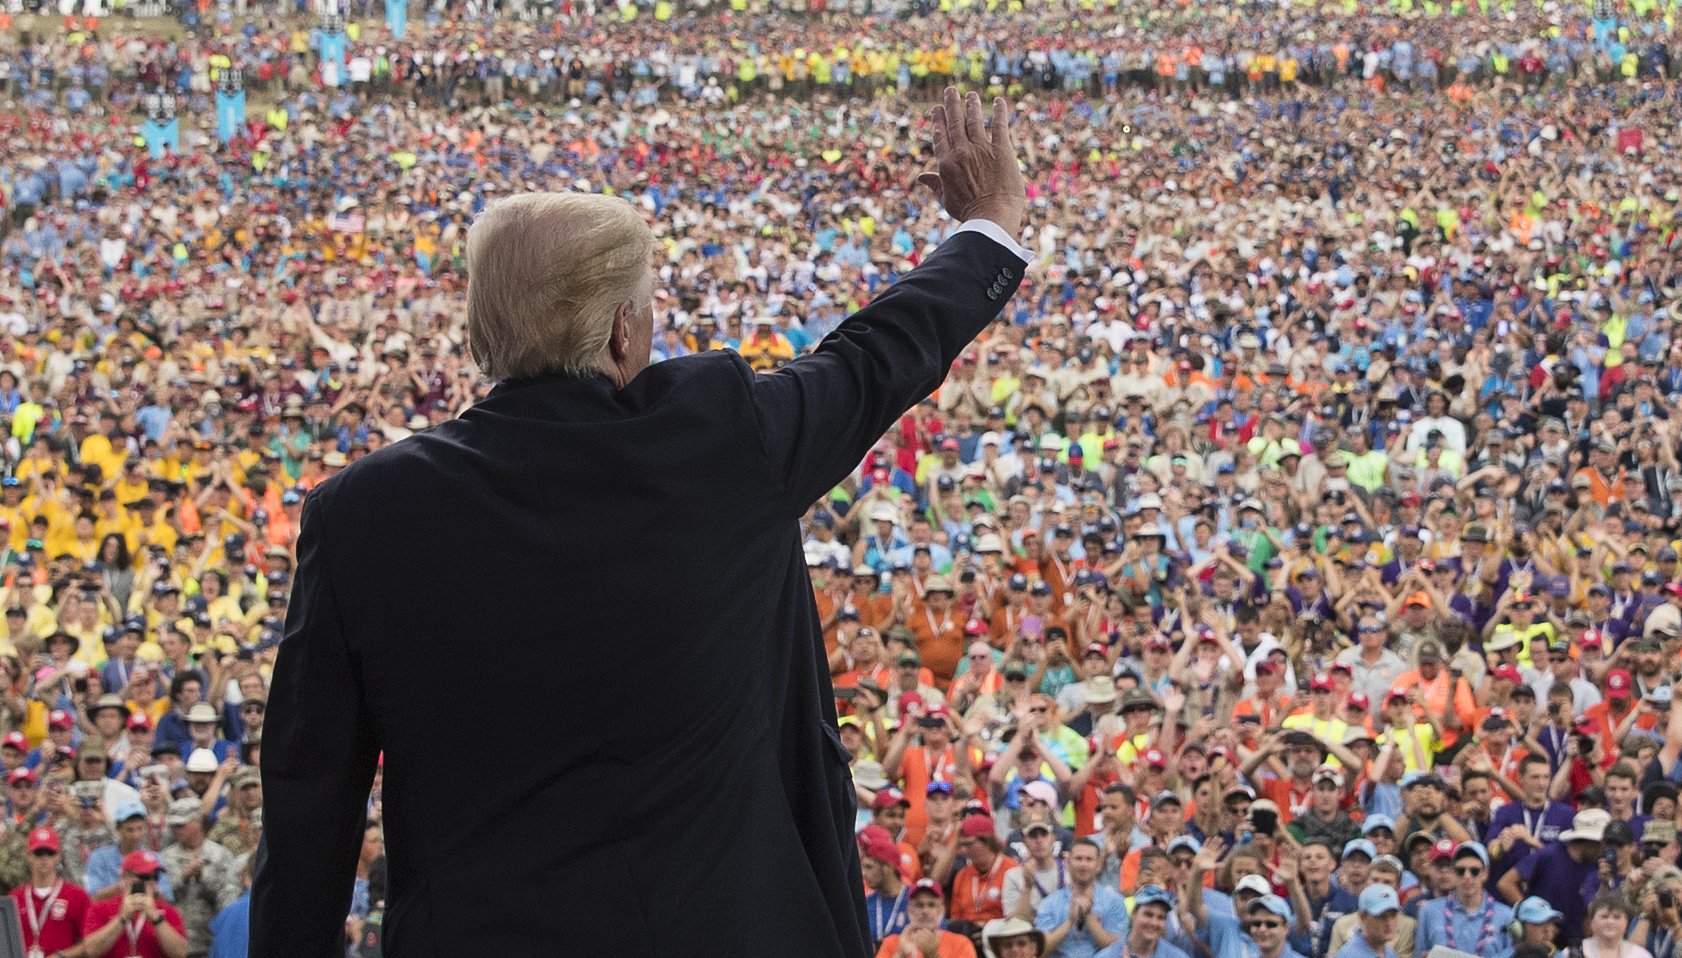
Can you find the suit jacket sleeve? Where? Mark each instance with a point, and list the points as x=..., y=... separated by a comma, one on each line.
x=319, y=753
x=820, y=414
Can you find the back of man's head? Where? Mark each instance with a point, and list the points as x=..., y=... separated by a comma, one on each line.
x=546, y=272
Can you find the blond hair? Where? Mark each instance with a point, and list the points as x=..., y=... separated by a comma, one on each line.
x=546, y=271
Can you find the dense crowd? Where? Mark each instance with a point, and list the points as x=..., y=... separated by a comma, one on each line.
x=1293, y=570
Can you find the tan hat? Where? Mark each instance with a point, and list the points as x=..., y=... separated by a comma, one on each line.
x=1100, y=690
x=335, y=459
x=203, y=712
x=183, y=810
x=938, y=583
x=1000, y=928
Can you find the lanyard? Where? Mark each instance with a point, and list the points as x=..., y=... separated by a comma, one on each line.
x=934, y=771
x=977, y=882
x=132, y=929
x=36, y=920
x=1487, y=918
x=885, y=928
x=1062, y=879
x=1541, y=816
x=945, y=622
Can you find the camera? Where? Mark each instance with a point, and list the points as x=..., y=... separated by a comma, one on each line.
x=1667, y=898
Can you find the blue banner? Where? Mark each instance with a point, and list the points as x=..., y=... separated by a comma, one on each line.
x=333, y=59
x=397, y=17
x=230, y=114
x=161, y=135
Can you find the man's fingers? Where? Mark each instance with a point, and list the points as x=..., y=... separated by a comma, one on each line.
x=975, y=126
x=1001, y=128
x=953, y=111
x=937, y=123
x=930, y=180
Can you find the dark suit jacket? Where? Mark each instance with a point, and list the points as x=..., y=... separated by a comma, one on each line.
x=577, y=620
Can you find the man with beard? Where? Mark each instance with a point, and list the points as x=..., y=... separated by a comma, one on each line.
x=1426, y=808
x=1291, y=786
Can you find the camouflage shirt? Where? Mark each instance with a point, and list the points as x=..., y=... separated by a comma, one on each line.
x=200, y=898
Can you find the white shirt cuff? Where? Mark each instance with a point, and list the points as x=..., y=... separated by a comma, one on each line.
x=996, y=233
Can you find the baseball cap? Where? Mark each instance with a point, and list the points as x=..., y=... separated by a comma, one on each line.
x=15, y=740
x=1443, y=850
x=1036, y=825
x=1268, y=902
x=1618, y=684
x=183, y=810
x=21, y=775
x=1474, y=849
x=1186, y=842
x=926, y=886
x=1536, y=911
x=1379, y=900
x=1360, y=846
x=1043, y=791
x=888, y=798
x=128, y=810
x=1376, y=822
x=977, y=826
x=202, y=760
x=142, y=862
x=1255, y=883
x=875, y=842
x=60, y=719
x=1153, y=895
x=43, y=837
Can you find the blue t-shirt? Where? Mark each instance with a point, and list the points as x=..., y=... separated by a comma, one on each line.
x=1107, y=904
x=888, y=916
x=231, y=929
x=105, y=866
x=1483, y=931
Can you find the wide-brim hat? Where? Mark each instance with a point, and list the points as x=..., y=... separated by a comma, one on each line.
x=1011, y=928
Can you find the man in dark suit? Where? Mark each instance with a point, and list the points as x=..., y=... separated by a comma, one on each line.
x=592, y=521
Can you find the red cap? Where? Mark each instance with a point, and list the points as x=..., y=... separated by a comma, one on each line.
x=142, y=720
x=1591, y=637
x=1617, y=684
x=15, y=740
x=141, y=862
x=975, y=627
x=21, y=775
x=909, y=699
x=43, y=838
x=1523, y=597
x=1098, y=648
x=59, y=718
x=1155, y=759
x=1507, y=672
x=1321, y=683
x=1158, y=641
x=938, y=711
x=1359, y=700
x=926, y=886
x=1266, y=667
x=875, y=842
x=978, y=826
x=1343, y=667
x=1396, y=693
x=888, y=798
x=1443, y=849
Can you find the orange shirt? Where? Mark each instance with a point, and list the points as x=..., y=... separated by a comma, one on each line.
x=980, y=896
x=951, y=946
x=918, y=767
x=1434, y=696
x=940, y=641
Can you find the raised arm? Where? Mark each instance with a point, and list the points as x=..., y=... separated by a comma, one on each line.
x=819, y=414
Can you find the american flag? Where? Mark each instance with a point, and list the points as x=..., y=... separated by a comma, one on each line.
x=351, y=222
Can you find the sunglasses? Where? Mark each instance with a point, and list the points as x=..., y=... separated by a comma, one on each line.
x=1468, y=870
x=1266, y=923
x=43, y=853
x=1370, y=629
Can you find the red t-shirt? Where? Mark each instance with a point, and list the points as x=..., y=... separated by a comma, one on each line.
x=145, y=942
x=60, y=916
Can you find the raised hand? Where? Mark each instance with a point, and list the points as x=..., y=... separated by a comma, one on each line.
x=976, y=175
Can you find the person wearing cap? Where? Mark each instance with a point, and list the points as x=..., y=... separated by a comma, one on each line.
x=1538, y=923
x=1609, y=715
x=1324, y=817
x=105, y=863
x=927, y=748
x=1083, y=917
x=922, y=936
x=885, y=905
x=205, y=875
x=1012, y=938
x=137, y=919
x=1443, y=692
x=203, y=724
x=51, y=910
x=1147, y=927
x=1379, y=909
x=1320, y=719
x=937, y=626
x=978, y=887
x=1043, y=870
x=1557, y=873
x=1385, y=870
x=1374, y=667
x=240, y=824
x=887, y=811
x=1266, y=922
x=61, y=731
x=1469, y=920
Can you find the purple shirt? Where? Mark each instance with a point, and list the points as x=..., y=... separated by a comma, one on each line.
x=1554, y=876
x=1545, y=824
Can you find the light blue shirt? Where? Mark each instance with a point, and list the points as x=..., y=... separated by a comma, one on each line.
x=1119, y=950
x=1436, y=918
x=105, y=866
x=1107, y=904
x=1358, y=948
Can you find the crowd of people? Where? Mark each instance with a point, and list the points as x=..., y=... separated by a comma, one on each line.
x=1293, y=570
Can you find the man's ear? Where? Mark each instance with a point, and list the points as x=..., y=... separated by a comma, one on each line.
x=619, y=339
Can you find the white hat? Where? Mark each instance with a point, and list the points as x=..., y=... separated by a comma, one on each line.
x=1504, y=638
x=990, y=543
x=1589, y=826
x=883, y=512
x=991, y=439
x=870, y=775
x=202, y=760
x=1254, y=883
x=1150, y=500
